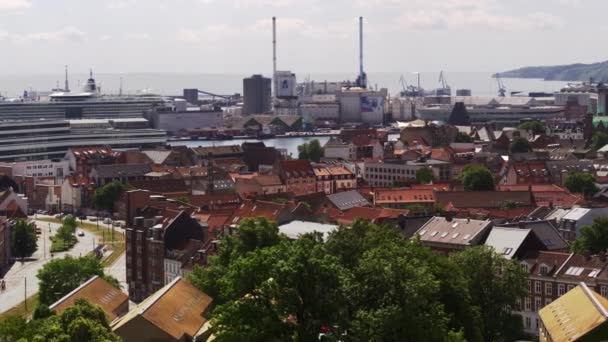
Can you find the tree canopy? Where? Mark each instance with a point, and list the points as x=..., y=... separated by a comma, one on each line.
x=105, y=196
x=425, y=176
x=80, y=322
x=580, y=182
x=495, y=284
x=520, y=145
x=365, y=282
x=311, y=151
x=599, y=140
x=23, y=239
x=593, y=239
x=60, y=276
x=535, y=127
x=463, y=138
x=477, y=178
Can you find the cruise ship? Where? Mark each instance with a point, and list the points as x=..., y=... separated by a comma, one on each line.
x=49, y=139
x=500, y=110
x=86, y=104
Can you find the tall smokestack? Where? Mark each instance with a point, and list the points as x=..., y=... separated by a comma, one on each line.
x=274, y=54
x=67, y=84
x=362, y=78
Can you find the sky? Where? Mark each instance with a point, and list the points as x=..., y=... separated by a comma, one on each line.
x=234, y=36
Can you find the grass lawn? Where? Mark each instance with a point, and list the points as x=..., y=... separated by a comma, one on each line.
x=60, y=245
x=20, y=310
x=104, y=235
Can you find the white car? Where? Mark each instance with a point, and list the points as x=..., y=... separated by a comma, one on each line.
x=107, y=220
x=80, y=233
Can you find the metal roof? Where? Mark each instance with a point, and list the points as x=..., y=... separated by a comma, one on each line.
x=295, y=229
x=506, y=241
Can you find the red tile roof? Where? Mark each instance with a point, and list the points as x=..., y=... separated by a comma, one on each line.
x=404, y=196
x=297, y=168
x=250, y=208
x=375, y=215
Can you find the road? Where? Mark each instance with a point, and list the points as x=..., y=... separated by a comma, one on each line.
x=22, y=273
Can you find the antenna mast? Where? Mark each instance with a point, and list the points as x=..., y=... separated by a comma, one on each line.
x=362, y=79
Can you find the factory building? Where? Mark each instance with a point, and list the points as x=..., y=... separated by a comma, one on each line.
x=360, y=105
x=257, y=95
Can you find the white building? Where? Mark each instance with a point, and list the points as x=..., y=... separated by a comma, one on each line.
x=384, y=174
x=361, y=105
x=41, y=168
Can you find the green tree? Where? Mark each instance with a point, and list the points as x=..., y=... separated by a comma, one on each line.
x=105, y=196
x=580, y=182
x=23, y=239
x=425, y=175
x=599, y=140
x=520, y=145
x=495, y=285
x=463, y=138
x=536, y=127
x=60, y=276
x=80, y=322
x=477, y=178
x=593, y=239
x=311, y=151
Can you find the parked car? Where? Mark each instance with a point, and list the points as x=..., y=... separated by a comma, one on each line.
x=80, y=233
x=92, y=218
x=59, y=216
x=117, y=224
x=107, y=220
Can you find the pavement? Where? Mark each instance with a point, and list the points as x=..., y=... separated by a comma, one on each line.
x=24, y=273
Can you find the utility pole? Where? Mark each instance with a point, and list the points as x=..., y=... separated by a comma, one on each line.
x=25, y=291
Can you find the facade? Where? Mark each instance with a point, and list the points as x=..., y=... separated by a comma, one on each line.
x=41, y=168
x=148, y=242
x=173, y=122
x=332, y=179
x=298, y=176
x=33, y=140
x=337, y=149
x=386, y=173
x=257, y=94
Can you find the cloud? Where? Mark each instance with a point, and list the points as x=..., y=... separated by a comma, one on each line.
x=66, y=34
x=253, y=3
x=138, y=36
x=120, y=4
x=14, y=4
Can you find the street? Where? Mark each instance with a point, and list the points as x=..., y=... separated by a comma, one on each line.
x=22, y=273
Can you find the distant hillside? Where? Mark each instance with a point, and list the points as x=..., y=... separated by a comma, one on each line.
x=571, y=72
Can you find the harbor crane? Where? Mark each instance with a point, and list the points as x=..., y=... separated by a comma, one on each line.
x=502, y=89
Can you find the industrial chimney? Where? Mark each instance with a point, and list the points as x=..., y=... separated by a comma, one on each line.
x=274, y=55
x=362, y=79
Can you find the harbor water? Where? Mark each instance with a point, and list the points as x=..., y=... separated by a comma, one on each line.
x=290, y=144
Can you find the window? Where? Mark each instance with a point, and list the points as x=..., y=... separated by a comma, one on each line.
x=529, y=286
x=528, y=304
x=604, y=291
x=524, y=266
x=548, y=289
x=538, y=304
x=544, y=270
x=561, y=289
x=547, y=301
x=537, y=287
x=570, y=287
x=528, y=322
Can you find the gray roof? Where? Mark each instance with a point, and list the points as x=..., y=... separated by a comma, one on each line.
x=122, y=170
x=295, y=229
x=506, y=241
x=545, y=231
x=462, y=232
x=348, y=199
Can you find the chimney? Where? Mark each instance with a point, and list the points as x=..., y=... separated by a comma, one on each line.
x=139, y=222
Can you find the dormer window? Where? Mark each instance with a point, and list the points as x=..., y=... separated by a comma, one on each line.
x=544, y=270
x=525, y=266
